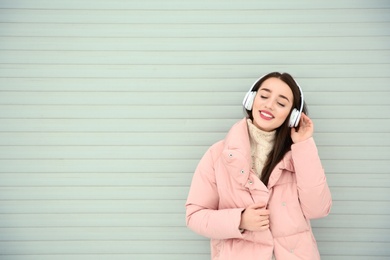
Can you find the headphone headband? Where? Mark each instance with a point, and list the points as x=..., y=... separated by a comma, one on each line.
x=301, y=93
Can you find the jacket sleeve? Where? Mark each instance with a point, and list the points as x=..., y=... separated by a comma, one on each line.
x=313, y=191
x=202, y=213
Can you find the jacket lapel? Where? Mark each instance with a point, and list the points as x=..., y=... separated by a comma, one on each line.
x=284, y=164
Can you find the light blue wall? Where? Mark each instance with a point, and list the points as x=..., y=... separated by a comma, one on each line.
x=107, y=106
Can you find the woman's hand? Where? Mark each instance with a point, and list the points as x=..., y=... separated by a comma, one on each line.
x=255, y=218
x=305, y=129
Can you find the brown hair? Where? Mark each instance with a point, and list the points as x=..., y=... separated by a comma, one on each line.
x=283, y=139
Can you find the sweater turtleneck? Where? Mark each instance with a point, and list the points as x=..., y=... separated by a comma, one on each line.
x=262, y=143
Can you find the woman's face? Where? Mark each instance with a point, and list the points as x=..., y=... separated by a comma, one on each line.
x=272, y=104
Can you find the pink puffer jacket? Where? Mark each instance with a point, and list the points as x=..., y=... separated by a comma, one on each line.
x=224, y=185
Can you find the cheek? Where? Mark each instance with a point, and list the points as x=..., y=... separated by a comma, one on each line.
x=284, y=115
x=256, y=103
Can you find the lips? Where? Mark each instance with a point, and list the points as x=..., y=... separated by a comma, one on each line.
x=266, y=115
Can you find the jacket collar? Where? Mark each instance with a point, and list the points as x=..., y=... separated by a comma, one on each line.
x=238, y=139
x=236, y=152
x=284, y=164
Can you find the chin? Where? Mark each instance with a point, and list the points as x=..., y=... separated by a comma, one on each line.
x=266, y=126
x=263, y=127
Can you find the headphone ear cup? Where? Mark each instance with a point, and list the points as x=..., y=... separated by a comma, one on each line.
x=248, y=100
x=294, y=118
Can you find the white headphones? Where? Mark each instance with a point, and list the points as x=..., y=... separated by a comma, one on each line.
x=295, y=113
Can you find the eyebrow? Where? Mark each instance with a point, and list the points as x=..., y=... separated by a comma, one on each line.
x=269, y=91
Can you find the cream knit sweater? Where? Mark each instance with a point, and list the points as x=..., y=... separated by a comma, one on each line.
x=261, y=145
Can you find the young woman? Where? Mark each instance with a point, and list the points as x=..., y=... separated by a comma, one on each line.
x=254, y=193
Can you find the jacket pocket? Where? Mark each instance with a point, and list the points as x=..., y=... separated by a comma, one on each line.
x=299, y=246
x=286, y=213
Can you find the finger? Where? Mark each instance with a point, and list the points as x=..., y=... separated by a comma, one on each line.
x=308, y=123
x=265, y=222
x=263, y=228
x=293, y=131
x=263, y=212
x=303, y=119
x=264, y=225
x=259, y=205
x=306, y=118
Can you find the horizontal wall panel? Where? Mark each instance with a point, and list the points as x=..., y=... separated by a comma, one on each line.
x=187, y=71
x=348, y=235
x=132, y=111
x=158, y=179
x=122, y=139
x=193, y=57
x=99, y=234
x=163, y=166
x=162, y=233
x=157, y=193
x=93, y=220
x=356, y=248
x=352, y=221
x=194, y=16
x=338, y=179
x=196, y=111
x=99, y=165
x=363, y=208
x=176, y=125
x=143, y=256
x=228, y=43
x=199, y=256
x=97, y=179
x=202, y=4
x=115, y=125
x=163, y=208
x=165, y=247
x=134, y=99
x=354, y=153
x=106, y=152
x=335, y=111
x=355, y=166
x=160, y=208
x=196, y=30
x=117, y=85
x=104, y=247
x=101, y=193
x=166, y=152
x=190, y=100
x=334, y=220
x=352, y=125
x=362, y=194
x=355, y=257
x=177, y=139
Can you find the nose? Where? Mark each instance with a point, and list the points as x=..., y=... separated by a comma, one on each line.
x=269, y=104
